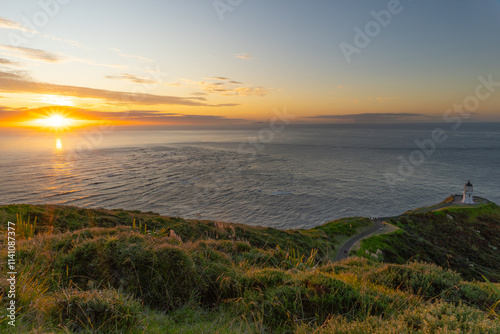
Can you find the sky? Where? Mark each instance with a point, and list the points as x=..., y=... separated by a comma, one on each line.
x=238, y=61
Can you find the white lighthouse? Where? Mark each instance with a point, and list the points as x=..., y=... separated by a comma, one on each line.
x=468, y=198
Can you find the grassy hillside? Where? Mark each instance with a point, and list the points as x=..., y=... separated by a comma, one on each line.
x=116, y=271
x=465, y=239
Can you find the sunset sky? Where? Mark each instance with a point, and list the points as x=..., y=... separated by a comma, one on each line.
x=210, y=62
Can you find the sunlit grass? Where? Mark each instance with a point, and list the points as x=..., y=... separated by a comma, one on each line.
x=115, y=271
x=25, y=229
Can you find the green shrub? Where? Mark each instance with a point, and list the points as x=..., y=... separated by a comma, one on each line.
x=314, y=297
x=218, y=283
x=344, y=226
x=276, y=307
x=163, y=275
x=265, y=278
x=260, y=257
x=103, y=311
x=241, y=247
x=83, y=263
x=439, y=318
x=479, y=295
x=423, y=279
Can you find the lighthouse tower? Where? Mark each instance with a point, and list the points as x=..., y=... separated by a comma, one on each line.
x=468, y=198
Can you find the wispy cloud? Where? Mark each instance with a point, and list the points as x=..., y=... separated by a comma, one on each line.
x=224, y=79
x=217, y=78
x=36, y=54
x=94, y=63
x=126, y=55
x=52, y=57
x=21, y=82
x=8, y=62
x=223, y=86
x=155, y=116
x=382, y=98
x=132, y=78
x=14, y=75
x=13, y=25
x=66, y=41
x=374, y=117
x=243, y=56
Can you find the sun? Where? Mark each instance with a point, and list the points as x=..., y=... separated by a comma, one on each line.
x=57, y=119
x=56, y=122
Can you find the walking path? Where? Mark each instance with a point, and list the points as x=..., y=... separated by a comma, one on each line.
x=453, y=200
x=344, y=250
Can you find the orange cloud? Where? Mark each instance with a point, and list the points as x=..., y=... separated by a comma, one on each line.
x=20, y=82
x=36, y=54
x=13, y=25
x=132, y=78
x=223, y=86
x=8, y=62
x=243, y=56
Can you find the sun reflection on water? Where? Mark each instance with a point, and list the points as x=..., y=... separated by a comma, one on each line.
x=59, y=145
x=61, y=167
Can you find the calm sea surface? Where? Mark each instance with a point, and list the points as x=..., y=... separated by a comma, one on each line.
x=297, y=177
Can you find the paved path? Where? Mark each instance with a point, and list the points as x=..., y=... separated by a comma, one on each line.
x=343, y=252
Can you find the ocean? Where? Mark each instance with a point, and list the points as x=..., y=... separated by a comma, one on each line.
x=295, y=176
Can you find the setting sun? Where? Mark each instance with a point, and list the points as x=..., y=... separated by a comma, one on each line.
x=55, y=122
x=55, y=119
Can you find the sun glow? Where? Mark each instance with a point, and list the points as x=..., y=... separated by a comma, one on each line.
x=55, y=121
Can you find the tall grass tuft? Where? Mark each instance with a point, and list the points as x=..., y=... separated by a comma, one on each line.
x=99, y=311
x=25, y=230
x=492, y=308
